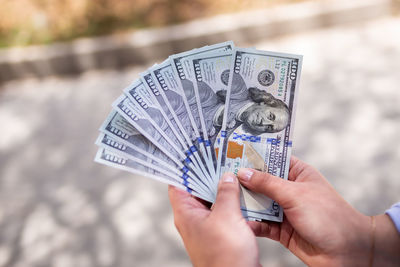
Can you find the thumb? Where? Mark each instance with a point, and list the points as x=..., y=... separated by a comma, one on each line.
x=227, y=202
x=261, y=182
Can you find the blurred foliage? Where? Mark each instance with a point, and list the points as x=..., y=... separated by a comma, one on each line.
x=24, y=22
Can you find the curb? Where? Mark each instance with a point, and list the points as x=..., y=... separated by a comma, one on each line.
x=141, y=47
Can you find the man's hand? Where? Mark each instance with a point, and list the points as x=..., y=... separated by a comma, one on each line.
x=216, y=237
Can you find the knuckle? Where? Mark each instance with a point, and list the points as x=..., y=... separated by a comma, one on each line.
x=263, y=180
x=266, y=181
x=227, y=188
x=227, y=192
x=222, y=191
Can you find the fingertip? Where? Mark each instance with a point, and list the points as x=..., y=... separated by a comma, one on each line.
x=228, y=177
x=245, y=174
x=265, y=183
x=176, y=193
x=227, y=201
x=172, y=188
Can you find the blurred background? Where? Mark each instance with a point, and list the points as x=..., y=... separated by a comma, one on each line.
x=25, y=22
x=62, y=64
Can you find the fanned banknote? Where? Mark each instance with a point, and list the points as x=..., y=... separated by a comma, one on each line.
x=156, y=92
x=257, y=121
x=181, y=66
x=139, y=93
x=211, y=77
x=204, y=112
x=163, y=75
x=111, y=159
x=134, y=114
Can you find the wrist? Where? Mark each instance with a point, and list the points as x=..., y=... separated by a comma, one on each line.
x=358, y=242
x=370, y=245
x=387, y=242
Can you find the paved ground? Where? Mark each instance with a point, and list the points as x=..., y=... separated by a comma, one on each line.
x=58, y=208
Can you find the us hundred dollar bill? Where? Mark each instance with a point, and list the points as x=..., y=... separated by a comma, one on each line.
x=122, y=131
x=211, y=75
x=134, y=114
x=172, y=95
x=153, y=89
x=110, y=143
x=128, y=152
x=106, y=157
x=127, y=140
x=182, y=69
x=256, y=131
x=138, y=92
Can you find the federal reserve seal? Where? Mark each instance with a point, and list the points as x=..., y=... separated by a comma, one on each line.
x=225, y=77
x=266, y=77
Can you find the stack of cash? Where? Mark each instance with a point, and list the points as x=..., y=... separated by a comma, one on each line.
x=205, y=112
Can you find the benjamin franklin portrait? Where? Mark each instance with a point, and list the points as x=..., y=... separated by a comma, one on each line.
x=255, y=110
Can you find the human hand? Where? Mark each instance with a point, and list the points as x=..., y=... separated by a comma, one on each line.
x=216, y=237
x=319, y=226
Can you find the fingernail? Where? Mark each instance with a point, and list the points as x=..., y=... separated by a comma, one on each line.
x=245, y=174
x=229, y=178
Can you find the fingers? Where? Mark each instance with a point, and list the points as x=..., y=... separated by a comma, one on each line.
x=266, y=229
x=184, y=207
x=293, y=161
x=274, y=187
x=227, y=202
x=302, y=172
x=177, y=198
x=297, y=167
